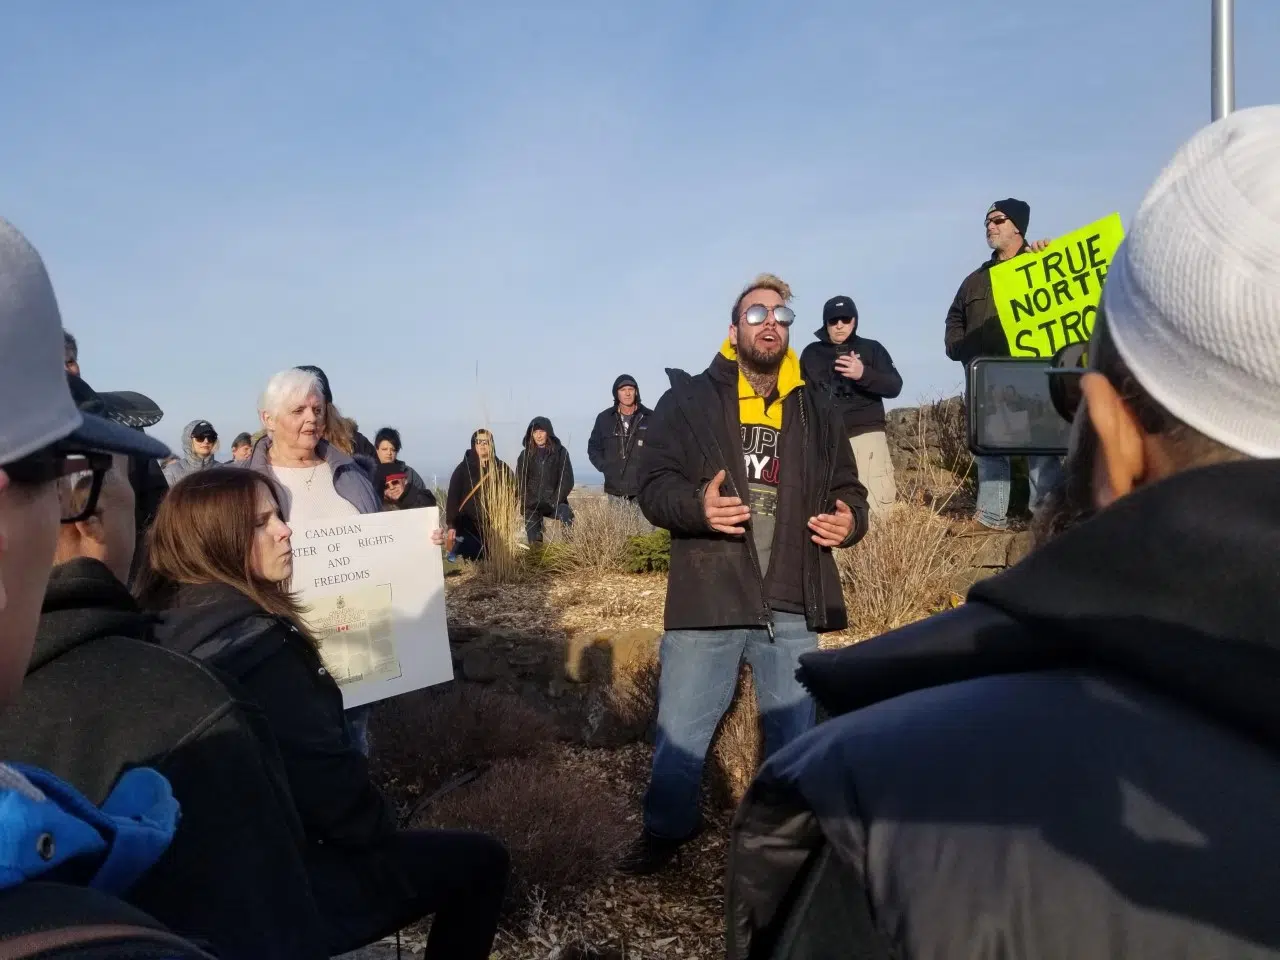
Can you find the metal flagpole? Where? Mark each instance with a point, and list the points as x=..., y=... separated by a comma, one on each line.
x=1224, y=58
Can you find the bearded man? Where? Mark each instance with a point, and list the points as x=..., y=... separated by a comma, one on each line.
x=752, y=474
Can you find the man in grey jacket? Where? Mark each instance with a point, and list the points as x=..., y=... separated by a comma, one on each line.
x=199, y=442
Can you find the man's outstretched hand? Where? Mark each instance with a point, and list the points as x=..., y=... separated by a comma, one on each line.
x=832, y=529
x=724, y=513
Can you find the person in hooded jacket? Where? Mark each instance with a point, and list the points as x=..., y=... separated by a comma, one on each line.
x=173, y=713
x=63, y=856
x=199, y=444
x=858, y=374
x=220, y=557
x=475, y=481
x=617, y=438
x=1083, y=760
x=546, y=478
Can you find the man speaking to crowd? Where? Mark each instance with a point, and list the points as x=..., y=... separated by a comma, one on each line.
x=750, y=470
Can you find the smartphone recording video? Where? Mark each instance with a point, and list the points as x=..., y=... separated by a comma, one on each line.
x=1012, y=408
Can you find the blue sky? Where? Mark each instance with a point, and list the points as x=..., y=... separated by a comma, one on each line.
x=481, y=212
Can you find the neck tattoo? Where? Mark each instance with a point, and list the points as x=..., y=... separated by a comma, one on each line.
x=762, y=383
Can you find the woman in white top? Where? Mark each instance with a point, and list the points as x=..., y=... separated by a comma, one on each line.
x=319, y=481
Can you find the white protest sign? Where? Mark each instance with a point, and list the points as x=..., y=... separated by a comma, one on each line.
x=373, y=591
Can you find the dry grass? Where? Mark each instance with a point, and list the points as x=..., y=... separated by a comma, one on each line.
x=423, y=739
x=738, y=748
x=901, y=571
x=597, y=540
x=561, y=829
x=503, y=528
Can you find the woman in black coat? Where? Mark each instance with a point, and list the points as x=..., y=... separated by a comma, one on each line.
x=219, y=559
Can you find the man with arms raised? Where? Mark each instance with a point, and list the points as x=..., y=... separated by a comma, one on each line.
x=751, y=472
x=1084, y=759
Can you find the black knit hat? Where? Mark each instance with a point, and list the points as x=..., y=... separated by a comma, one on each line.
x=324, y=381
x=1019, y=211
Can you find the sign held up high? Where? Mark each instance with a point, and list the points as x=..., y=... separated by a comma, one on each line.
x=1049, y=299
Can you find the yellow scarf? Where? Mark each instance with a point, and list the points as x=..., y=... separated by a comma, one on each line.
x=752, y=408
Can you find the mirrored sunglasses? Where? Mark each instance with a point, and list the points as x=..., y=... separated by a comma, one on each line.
x=757, y=313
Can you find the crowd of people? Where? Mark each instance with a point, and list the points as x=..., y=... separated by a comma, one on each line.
x=1079, y=761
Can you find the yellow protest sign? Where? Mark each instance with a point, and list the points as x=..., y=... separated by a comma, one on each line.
x=1048, y=299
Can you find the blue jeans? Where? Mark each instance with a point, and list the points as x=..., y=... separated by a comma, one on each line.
x=533, y=521
x=699, y=673
x=995, y=478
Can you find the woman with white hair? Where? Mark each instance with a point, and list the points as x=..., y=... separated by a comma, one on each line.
x=320, y=481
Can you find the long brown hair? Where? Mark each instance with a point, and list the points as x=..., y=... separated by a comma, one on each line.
x=340, y=431
x=203, y=533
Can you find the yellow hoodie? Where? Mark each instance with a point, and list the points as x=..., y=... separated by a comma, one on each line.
x=751, y=408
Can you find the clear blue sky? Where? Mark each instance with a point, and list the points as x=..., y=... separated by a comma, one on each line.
x=475, y=211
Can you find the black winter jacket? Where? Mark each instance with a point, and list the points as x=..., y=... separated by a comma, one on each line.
x=613, y=451
x=973, y=327
x=1082, y=761
x=346, y=819
x=860, y=402
x=100, y=698
x=715, y=579
x=463, y=505
x=546, y=476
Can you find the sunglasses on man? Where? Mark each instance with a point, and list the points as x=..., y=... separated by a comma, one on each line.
x=205, y=437
x=758, y=313
x=56, y=463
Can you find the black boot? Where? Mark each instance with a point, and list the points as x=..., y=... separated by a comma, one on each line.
x=649, y=854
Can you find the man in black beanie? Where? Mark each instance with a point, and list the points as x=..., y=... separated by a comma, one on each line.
x=974, y=330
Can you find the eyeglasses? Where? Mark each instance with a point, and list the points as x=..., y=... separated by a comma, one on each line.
x=1070, y=364
x=996, y=221
x=757, y=313
x=205, y=438
x=52, y=464
x=836, y=321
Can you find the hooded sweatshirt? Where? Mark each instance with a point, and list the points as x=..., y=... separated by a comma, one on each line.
x=761, y=419
x=861, y=401
x=188, y=463
x=546, y=473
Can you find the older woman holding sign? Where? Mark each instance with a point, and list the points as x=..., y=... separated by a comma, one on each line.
x=317, y=480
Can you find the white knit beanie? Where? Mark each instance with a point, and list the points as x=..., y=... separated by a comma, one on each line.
x=1193, y=297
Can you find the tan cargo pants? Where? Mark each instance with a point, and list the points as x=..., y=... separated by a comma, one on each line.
x=875, y=470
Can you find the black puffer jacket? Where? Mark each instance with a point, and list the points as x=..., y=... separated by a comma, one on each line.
x=613, y=450
x=715, y=579
x=546, y=473
x=345, y=817
x=100, y=697
x=860, y=402
x=1082, y=761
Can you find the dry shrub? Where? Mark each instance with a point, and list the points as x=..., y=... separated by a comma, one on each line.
x=738, y=747
x=951, y=433
x=561, y=829
x=503, y=527
x=902, y=569
x=597, y=540
x=633, y=691
x=423, y=739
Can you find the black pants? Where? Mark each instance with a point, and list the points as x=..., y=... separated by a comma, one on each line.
x=458, y=877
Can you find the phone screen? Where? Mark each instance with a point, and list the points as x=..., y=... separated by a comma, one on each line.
x=1010, y=409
